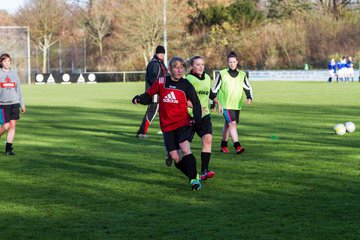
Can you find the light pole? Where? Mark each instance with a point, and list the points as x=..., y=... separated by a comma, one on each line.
x=85, y=67
x=165, y=35
x=60, y=55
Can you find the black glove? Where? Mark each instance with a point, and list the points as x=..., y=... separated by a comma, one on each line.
x=136, y=99
x=194, y=125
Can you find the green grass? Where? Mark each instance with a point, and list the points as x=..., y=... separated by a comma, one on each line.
x=80, y=173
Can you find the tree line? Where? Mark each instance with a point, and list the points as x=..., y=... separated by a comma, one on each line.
x=113, y=35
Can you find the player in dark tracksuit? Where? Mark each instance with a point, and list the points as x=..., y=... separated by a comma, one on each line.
x=174, y=93
x=154, y=70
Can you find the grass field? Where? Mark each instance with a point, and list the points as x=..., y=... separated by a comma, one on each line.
x=80, y=173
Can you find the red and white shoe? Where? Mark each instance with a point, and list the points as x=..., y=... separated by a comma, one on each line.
x=224, y=150
x=240, y=150
x=207, y=174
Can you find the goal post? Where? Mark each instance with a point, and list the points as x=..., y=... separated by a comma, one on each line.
x=15, y=40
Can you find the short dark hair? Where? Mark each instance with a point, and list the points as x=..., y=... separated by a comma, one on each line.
x=3, y=57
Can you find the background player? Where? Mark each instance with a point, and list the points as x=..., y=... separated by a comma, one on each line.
x=202, y=84
x=154, y=70
x=230, y=86
x=11, y=100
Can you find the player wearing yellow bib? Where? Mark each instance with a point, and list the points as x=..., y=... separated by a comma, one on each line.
x=231, y=85
x=202, y=84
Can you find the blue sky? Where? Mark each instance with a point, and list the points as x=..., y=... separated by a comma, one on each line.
x=11, y=5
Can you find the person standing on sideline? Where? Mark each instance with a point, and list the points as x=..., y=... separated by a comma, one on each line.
x=230, y=86
x=350, y=66
x=202, y=84
x=11, y=100
x=154, y=70
x=332, y=69
x=174, y=93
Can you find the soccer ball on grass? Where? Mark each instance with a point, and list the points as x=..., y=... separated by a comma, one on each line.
x=340, y=129
x=350, y=127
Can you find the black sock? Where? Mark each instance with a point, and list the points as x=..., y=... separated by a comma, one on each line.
x=190, y=164
x=205, y=159
x=181, y=166
x=223, y=143
x=8, y=147
x=237, y=144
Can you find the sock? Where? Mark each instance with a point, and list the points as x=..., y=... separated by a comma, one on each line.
x=190, y=165
x=223, y=143
x=181, y=166
x=8, y=147
x=237, y=144
x=205, y=159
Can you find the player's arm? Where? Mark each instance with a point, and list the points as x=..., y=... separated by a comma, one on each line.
x=19, y=92
x=214, y=102
x=194, y=99
x=216, y=86
x=248, y=90
x=146, y=98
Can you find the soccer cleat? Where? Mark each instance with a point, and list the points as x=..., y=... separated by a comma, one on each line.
x=195, y=184
x=224, y=150
x=168, y=160
x=207, y=174
x=10, y=152
x=240, y=150
x=140, y=135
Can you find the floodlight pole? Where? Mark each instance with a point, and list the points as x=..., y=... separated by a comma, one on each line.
x=165, y=35
x=60, y=56
x=84, y=52
x=28, y=54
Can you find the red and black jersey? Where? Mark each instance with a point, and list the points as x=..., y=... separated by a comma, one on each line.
x=173, y=97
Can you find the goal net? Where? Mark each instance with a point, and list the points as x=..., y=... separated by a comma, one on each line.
x=14, y=40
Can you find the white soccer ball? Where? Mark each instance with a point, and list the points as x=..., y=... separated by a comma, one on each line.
x=340, y=129
x=350, y=127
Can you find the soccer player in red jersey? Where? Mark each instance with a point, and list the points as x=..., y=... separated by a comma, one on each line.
x=174, y=93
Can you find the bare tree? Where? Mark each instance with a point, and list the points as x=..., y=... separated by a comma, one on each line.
x=98, y=20
x=142, y=24
x=145, y=26
x=44, y=18
x=5, y=19
x=337, y=7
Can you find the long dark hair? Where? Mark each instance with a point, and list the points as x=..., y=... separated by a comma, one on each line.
x=3, y=57
x=232, y=55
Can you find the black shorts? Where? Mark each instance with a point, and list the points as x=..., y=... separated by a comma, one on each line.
x=9, y=112
x=231, y=115
x=205, y=126
x=172, y=139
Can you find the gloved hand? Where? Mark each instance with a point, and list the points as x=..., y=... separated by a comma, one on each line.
x=136, y=99
x=194, y=125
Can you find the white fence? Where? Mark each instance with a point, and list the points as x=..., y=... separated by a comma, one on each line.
x=133, y=76
x=290, y=75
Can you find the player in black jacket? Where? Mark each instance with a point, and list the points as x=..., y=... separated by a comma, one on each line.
x=154, y=70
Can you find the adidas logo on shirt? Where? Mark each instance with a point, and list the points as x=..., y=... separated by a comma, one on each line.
x=170, y=98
